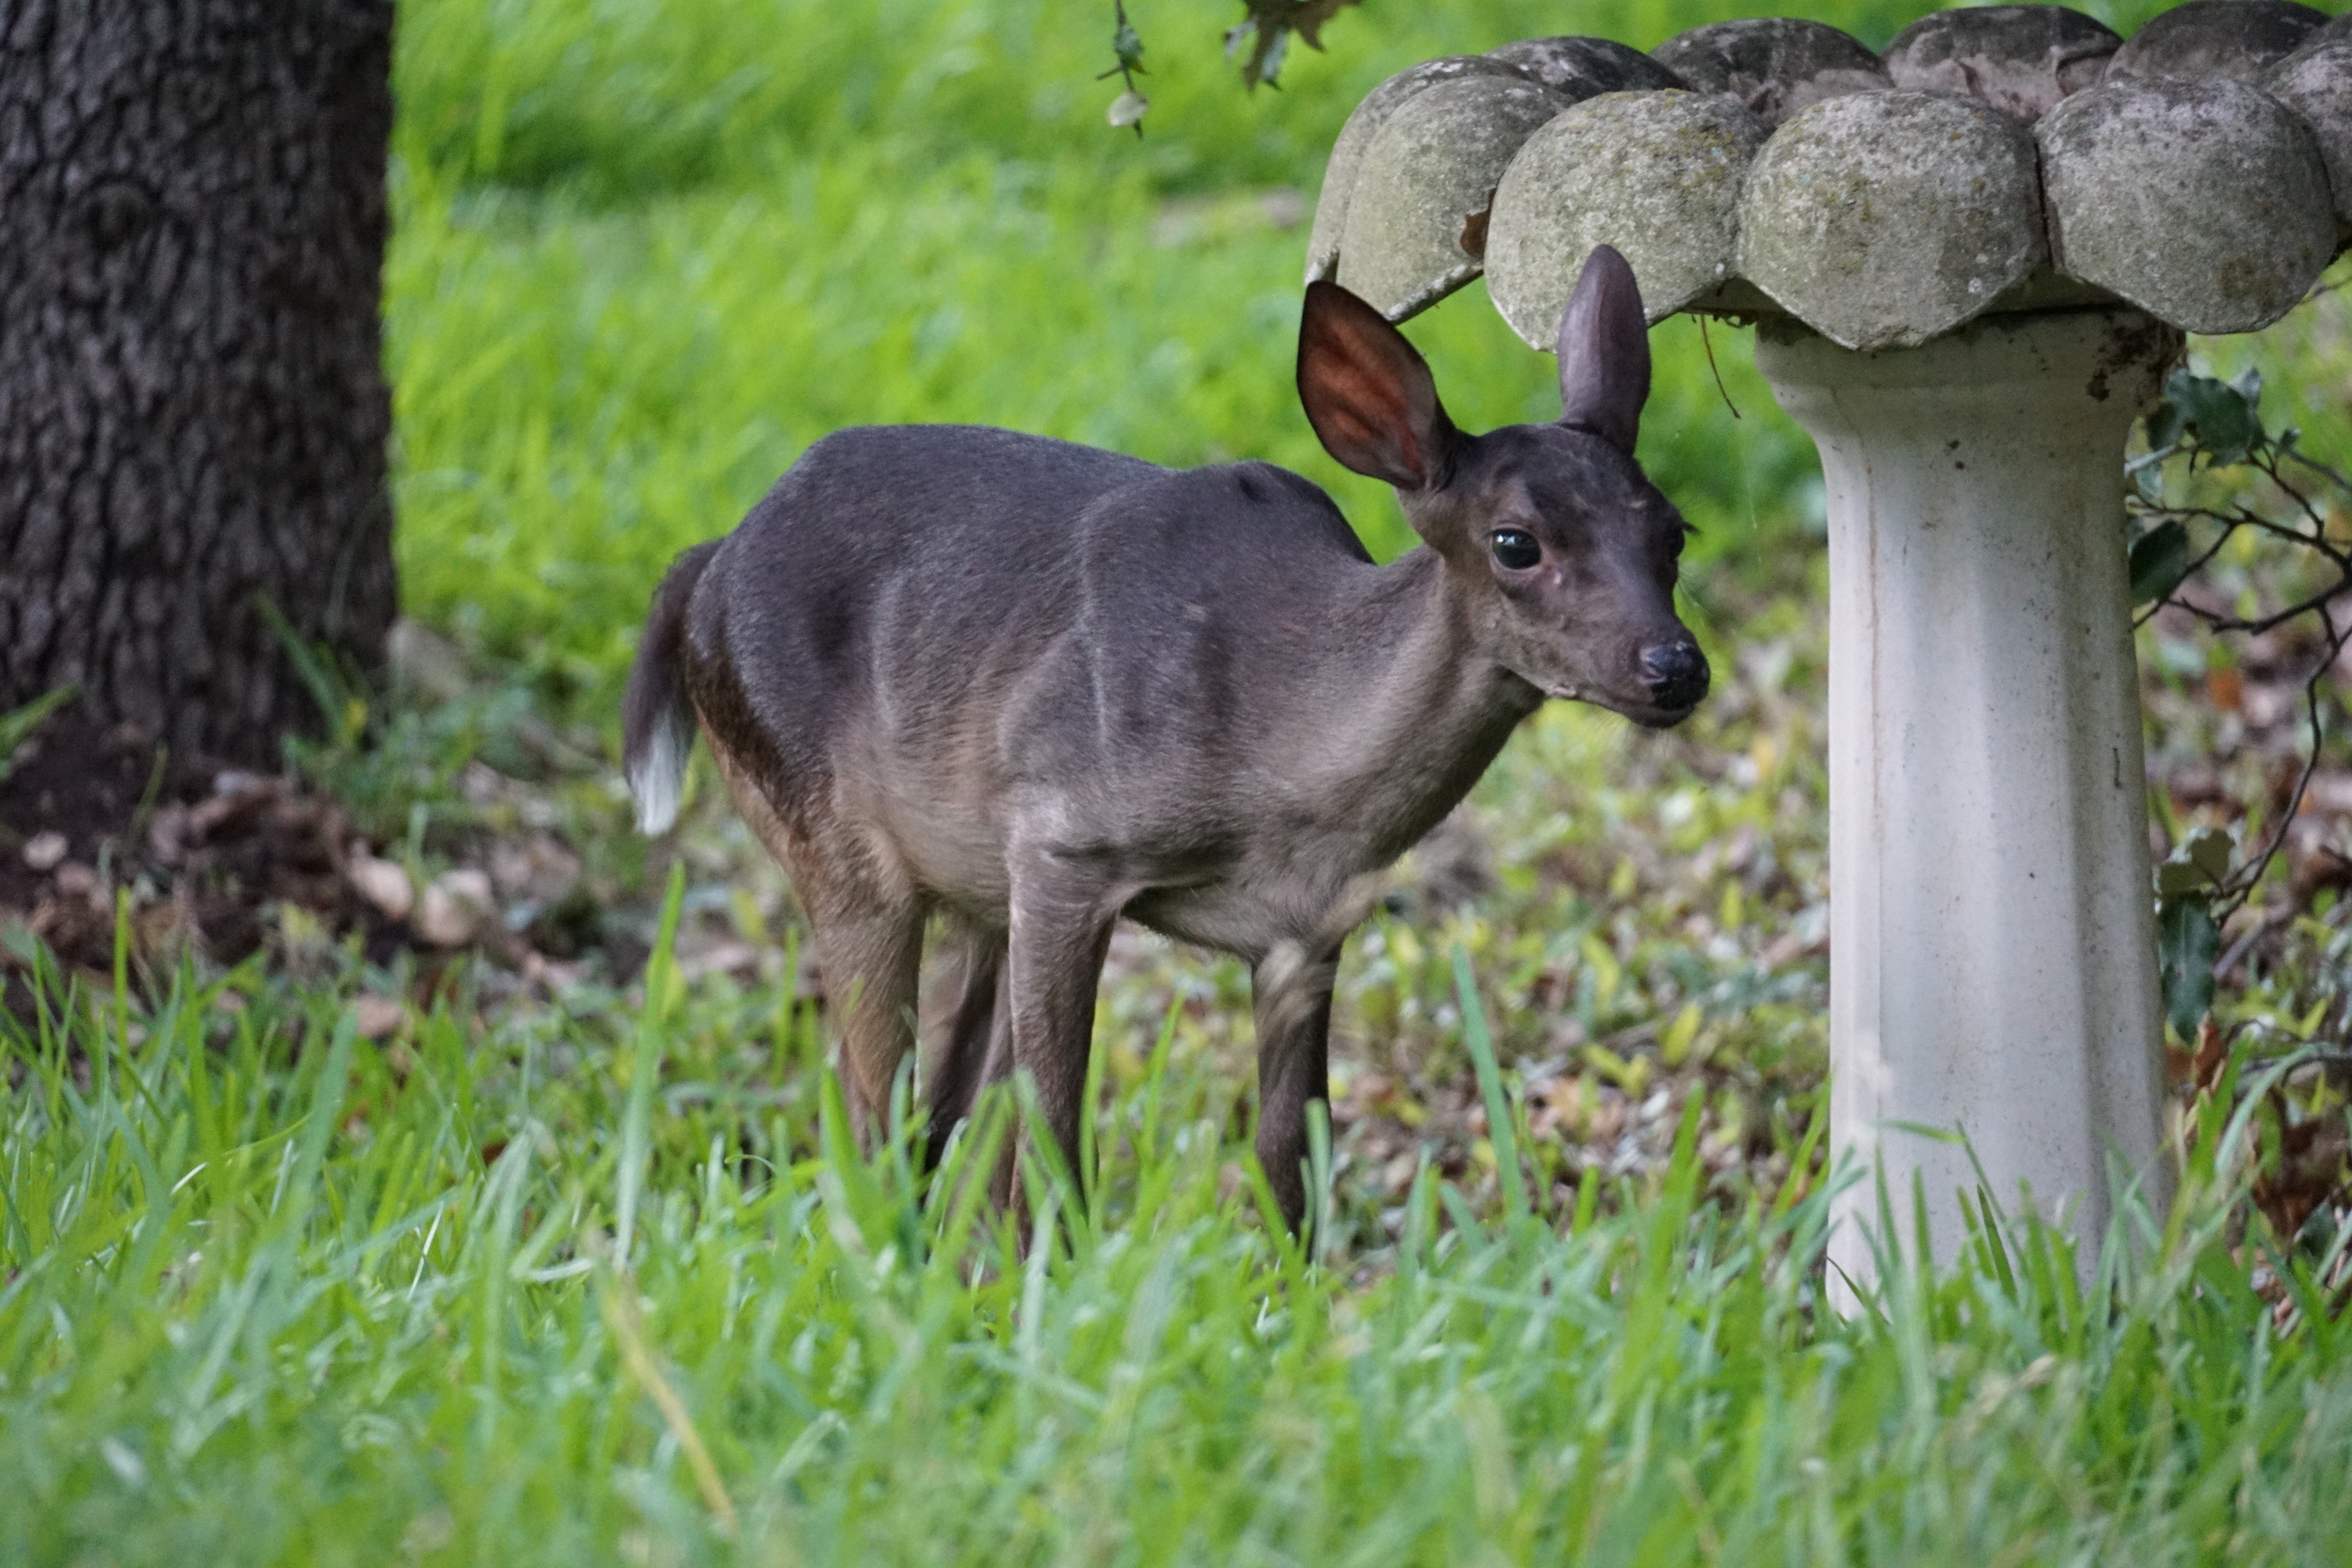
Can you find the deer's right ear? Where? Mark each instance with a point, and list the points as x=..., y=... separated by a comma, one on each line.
x=1604, y=352
x=1368, y=393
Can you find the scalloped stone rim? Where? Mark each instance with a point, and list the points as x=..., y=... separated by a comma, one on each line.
x=2215, y=225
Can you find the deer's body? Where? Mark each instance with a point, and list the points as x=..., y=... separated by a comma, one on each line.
x=1037, y=688
x=1200, y=747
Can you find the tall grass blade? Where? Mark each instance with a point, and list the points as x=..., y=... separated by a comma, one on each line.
x=646, y=1069
x=1509, y=1174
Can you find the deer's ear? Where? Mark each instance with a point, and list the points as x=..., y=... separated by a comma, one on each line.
x=1604, y=352
x=1368, y=393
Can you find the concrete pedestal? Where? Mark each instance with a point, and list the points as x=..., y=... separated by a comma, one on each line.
x=1993, y=951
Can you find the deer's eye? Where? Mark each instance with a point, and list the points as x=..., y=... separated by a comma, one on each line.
x=1514, y=549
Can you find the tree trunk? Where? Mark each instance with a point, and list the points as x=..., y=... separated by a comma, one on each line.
x=192, y=412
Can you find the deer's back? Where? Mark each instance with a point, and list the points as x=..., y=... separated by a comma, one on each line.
x=916, y=621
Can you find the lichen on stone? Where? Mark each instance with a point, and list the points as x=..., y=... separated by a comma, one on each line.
x=1655, y=174
x=1363, y=124
x=1433, y=166
x=1885, y=219
x=2205, y=202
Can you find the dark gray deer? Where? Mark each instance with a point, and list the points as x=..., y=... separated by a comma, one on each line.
x=1032, y=687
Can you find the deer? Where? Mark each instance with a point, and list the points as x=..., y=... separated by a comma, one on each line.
x=1025, y=688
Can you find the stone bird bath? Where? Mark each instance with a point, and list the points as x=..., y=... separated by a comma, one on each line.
x=1970, y=261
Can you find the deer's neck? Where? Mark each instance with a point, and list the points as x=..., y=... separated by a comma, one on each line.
x=1407, y=712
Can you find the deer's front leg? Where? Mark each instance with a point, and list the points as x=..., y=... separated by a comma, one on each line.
x=1060, y=930
x=1291, y=989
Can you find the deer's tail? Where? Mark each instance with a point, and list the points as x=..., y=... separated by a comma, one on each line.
x=657, y=718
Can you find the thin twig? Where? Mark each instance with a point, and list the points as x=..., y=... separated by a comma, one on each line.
x=1128, y=49
x=2231, y=893
x=2322, y=469
x=2268, y=464
x=1708, y=343
x=2256, y=626
x=2193, y=568
x=2241, y=886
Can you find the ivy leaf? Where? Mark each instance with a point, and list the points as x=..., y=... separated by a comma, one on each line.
x=2221, y=412
x=2197, y=864
x=2209, y=849
x=2159, y=561
x=2187, y=941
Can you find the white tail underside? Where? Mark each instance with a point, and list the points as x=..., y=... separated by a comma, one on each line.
x=655, y=782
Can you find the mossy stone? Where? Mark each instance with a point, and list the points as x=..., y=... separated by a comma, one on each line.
x=2239, y=38
x=1417, y=220
x=1885, y=219
x=1655, y=174
x=1772, y=66
x=2021, y=59
x=2205, y=202
x=1364, y=123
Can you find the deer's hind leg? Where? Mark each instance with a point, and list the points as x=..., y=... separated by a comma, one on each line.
x=870, y=954
x=970, y=1039
x=868, y=925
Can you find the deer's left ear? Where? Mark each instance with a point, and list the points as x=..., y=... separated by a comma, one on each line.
x=1604, y=352
x=1368, y=393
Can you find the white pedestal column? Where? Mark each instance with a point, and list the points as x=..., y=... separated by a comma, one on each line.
x=1992, y=945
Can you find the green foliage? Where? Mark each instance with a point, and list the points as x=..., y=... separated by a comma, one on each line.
x=275, y=1293
x=2159, y=559
x=2187, y=941
x=1128, y=108
x=2220, y=413
x=2270, y=563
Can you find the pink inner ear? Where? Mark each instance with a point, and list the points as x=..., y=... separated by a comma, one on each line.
x=1364, y=387
x=1358, y=414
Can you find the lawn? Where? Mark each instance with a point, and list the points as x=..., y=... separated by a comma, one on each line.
x=593, y=1288
x=335, y=1256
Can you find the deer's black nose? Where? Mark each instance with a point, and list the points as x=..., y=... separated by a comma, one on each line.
x=1675, y=673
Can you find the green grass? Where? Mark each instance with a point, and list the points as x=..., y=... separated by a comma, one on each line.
x=495, y=1295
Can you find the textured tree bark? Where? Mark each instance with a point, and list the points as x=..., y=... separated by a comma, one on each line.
x=192, y=412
